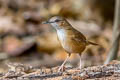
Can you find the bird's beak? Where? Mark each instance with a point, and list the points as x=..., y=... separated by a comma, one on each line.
x=47, y=22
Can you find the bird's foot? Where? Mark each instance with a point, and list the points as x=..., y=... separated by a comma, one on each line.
x=61, y=69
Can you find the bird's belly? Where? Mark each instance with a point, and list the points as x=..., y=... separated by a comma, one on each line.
x=70, y=45
x=73, y=47
x=63, y=39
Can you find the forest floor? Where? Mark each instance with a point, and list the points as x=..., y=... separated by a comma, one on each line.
x=17, y=71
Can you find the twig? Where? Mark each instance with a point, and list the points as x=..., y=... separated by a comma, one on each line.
x=112, y=55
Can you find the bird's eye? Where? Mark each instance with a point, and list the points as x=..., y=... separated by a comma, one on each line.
x=57, y=20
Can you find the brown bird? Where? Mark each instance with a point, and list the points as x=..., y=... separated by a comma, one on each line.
x=71, y=40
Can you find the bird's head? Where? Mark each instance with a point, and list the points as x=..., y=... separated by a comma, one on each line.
x=57, y=22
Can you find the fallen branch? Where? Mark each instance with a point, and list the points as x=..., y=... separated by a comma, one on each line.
x=25, y=72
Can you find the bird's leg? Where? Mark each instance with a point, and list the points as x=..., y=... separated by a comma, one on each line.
x=61, y=67
x=80, y=63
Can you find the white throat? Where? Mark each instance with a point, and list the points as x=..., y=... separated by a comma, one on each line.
x=61, y=35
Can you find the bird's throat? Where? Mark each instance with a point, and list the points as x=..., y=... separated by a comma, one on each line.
x=61, y=35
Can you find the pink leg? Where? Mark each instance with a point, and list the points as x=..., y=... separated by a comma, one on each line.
x=61, y=67
x=80, y=63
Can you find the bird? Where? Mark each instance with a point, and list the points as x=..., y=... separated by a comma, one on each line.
x=71, y=39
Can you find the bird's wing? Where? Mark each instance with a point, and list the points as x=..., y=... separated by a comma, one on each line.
x=79, y=37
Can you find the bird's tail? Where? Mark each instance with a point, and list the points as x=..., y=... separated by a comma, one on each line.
x=91, y=43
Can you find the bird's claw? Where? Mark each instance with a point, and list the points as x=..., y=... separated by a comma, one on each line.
x=61, y=69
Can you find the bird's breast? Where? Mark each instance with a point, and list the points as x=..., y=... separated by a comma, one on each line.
x=61, y=36
x=64, y=40
x=68, y=43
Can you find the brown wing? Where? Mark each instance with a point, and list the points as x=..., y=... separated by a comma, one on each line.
x=79, y=36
